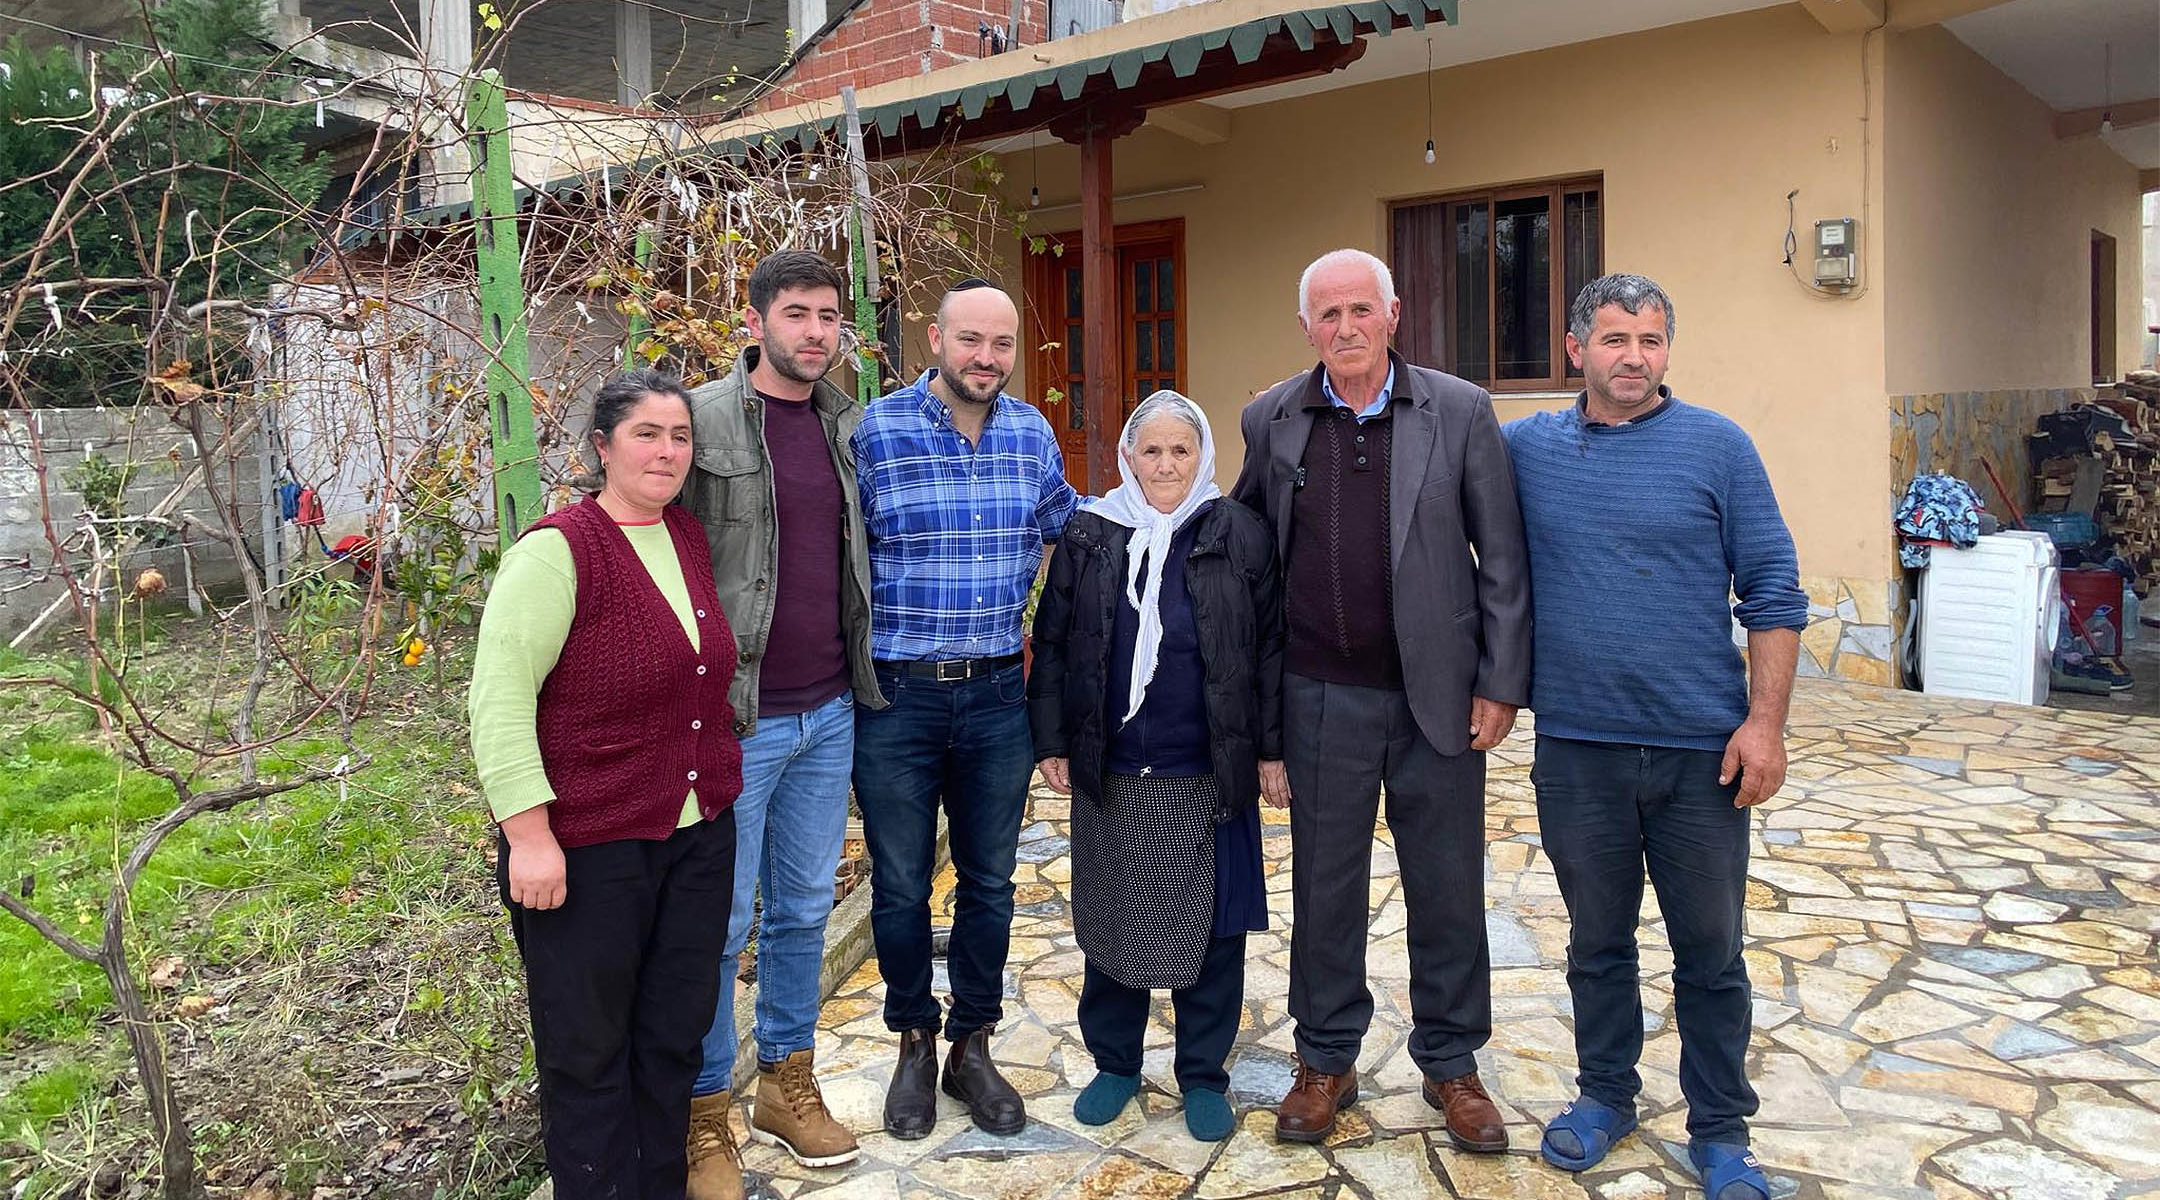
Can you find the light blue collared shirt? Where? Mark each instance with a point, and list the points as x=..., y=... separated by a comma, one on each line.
x=1379, y=404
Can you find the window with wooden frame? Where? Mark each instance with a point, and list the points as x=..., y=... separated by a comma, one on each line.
x=1486, y=277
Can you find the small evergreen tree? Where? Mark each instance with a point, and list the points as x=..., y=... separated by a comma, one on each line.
x=162, y=166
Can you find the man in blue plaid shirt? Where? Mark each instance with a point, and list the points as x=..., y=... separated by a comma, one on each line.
x=962, y=486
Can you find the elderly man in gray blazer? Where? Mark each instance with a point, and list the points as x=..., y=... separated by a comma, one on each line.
x=1407, y=601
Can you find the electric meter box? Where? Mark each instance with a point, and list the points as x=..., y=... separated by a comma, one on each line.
x=1835, y=263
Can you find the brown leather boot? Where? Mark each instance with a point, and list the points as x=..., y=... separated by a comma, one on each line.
x=715, y=1160
x=790, y=1113
x=1473, y=1120
x=1307, y=1112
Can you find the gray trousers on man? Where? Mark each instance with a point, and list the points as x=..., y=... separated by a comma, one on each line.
x=1341, y=743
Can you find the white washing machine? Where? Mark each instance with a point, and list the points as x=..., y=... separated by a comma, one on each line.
x=1988, y=618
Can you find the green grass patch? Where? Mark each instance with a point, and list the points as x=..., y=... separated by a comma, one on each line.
x=47, y=1096
x=336, y=930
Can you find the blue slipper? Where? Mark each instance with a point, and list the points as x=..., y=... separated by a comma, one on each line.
x=1207, y=1115
x=1729, y=1171
x=1591, y=1127
x=1104, y=1098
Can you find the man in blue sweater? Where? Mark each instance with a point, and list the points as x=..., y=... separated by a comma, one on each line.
x=1644, y=517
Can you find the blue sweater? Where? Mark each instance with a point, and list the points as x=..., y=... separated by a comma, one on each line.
x=1640, y=535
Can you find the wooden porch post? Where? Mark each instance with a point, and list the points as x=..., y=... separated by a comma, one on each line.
x=1099, y=286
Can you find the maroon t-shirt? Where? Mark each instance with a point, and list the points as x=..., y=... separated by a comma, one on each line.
x=805, y=659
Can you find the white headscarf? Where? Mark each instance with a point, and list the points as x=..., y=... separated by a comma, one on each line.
x=1147, y=552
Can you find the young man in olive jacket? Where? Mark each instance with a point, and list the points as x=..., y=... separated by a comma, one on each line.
x=773, y=484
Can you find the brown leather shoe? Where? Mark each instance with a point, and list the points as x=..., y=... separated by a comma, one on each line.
x=1473, y=1120
x=715, y=1161
x=1307, y=1112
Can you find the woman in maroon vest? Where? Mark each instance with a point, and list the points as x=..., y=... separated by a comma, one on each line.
x=605, y=744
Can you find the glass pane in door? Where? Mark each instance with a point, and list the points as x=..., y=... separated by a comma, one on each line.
x=1471, y=246
x=1522, y=288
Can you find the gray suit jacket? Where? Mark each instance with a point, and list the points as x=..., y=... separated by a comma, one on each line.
x=1461, y=571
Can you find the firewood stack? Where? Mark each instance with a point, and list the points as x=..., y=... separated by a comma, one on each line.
x=2103, y=459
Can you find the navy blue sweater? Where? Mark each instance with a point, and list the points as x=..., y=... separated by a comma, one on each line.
x=1640, y=536
x=1169, y=735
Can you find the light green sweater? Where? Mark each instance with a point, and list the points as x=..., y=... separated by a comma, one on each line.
x=522, y=629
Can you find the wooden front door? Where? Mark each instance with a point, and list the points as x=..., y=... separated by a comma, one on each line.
x=1151, y=332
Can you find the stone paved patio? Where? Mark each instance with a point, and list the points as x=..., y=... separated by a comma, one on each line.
x=1952, y=919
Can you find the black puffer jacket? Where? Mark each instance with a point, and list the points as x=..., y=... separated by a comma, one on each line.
x=1237, y=604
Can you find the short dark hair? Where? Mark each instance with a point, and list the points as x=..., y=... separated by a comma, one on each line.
x=620, y=394
x=1631, y=292
x=783, y=270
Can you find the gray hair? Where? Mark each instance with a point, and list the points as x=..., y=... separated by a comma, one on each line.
x=1381, y=275
x=1630, y=292
x=1165, y=403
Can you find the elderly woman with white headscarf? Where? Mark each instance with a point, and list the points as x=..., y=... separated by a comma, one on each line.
x=1156, y=701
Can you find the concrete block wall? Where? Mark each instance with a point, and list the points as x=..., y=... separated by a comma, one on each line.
x=163, y=454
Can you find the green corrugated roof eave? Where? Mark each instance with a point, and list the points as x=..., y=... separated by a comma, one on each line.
x=1184, y=55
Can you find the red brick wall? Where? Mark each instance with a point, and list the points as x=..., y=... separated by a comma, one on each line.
x=885, y=40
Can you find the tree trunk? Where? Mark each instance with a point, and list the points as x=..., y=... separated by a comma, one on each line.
x=176, y=1144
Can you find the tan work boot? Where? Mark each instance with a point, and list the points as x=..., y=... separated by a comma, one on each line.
x=715, y=1160
x=790, y=1113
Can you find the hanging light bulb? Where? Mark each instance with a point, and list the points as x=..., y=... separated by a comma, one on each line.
x=2107, y=88
x=1430, y=156
x=1034, y=197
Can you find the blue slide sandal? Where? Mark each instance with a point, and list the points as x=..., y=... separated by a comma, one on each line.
x=1729, y=1171
x=1594, y=1127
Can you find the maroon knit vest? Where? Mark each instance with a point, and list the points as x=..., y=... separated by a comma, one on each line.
x=631, y=718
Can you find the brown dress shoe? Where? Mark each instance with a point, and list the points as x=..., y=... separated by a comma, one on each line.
x=715, y=1161
x=1307, y=1112
x=1473, y=1121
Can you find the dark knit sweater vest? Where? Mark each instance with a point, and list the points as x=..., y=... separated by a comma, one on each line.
x=632, y=718
x=1340, y=606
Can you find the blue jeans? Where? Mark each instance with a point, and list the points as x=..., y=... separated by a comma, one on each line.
x=1605, y=810
x=965, y=745
x=789, y=823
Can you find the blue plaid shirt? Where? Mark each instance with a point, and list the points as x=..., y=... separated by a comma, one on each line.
x=956, y=531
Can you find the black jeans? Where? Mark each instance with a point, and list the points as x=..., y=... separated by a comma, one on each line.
x=965, y=745
x=1340, y=744
x=1113, y=1018
x=1604, y=811
x=621, y=981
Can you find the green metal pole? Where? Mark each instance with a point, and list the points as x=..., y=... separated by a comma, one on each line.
x=862, y=229
x=640, y=321
x=866, y=325
x=502, y=309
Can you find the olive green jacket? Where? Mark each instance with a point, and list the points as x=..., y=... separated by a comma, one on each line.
x=730, y=491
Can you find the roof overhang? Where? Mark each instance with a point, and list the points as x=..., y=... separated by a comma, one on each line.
x=1107, y=78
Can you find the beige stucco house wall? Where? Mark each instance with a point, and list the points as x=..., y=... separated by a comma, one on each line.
x=1698, y=132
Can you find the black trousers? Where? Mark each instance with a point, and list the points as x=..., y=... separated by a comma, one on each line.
x=1341, y=743
x=1113, y=1018
x=621, y=981
x=1607, y=812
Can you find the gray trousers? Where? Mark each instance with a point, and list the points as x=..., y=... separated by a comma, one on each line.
x=1341, y=743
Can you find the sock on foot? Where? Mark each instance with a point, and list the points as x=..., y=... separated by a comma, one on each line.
x=1104, y=1098
x=1207, y=1115
x=1565, y=1142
